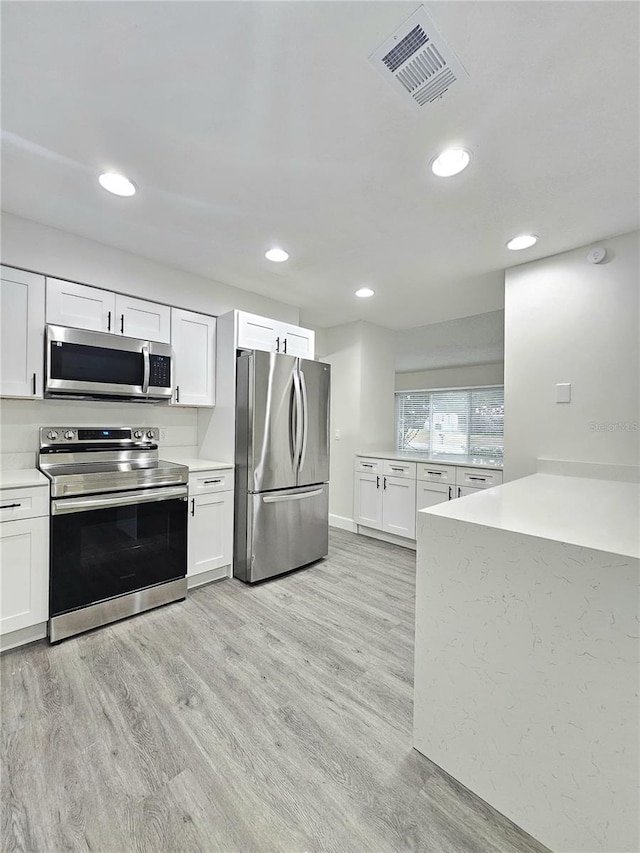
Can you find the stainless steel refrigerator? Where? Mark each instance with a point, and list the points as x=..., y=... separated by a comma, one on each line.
x=282, y=464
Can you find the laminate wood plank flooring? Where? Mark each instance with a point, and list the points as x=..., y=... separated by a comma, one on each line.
x=266, y=719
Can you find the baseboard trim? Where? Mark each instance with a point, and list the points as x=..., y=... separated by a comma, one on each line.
x=342, y=522
x=23, y=636
x=387, y=537
x=219, y=574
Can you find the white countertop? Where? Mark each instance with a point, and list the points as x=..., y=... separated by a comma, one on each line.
x=599, y=514
x=194, y=463
x=439, y=459
x=20, y=478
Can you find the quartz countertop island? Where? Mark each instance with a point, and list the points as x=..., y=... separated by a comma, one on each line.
x=527, y=642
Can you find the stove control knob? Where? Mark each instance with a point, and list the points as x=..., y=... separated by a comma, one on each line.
x=52, y=435
x=137, y=433
x=69, y=434
x=150, y=434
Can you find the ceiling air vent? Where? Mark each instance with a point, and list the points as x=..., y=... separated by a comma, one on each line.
x=417, y=61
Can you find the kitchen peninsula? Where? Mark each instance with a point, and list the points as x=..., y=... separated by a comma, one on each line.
x=527, y=639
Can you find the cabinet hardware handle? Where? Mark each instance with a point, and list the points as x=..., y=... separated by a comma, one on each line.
x=210, y=482
x=449, y=492
x=122, y=324
x=109, y=321
x=9, y=506
x=397, y=469
x=177, y=393
x=285, y=345
x=277, y=344
x=193, y=506
x=384, y=483
x=481, y=479
x=459, y=491
x=435, y=473
x=377, y=482
x=366, y=465
x=34, y=384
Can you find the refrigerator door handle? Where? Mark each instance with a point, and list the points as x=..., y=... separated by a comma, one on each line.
x=276, y=499
x=305, y=417
x=297, y=448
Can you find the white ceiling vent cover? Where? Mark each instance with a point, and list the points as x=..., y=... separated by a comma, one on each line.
x=417, y=61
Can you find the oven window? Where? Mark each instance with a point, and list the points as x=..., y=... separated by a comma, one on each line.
x=80, y=363
x=102, y=553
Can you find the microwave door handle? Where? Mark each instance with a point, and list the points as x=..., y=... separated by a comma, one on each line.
x=147, y=370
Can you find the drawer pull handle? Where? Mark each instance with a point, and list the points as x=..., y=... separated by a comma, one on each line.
x=481, y=479
x=210, y=482
x=9, y=506
x=398, y=469
x=366, y=465
x=435, y=473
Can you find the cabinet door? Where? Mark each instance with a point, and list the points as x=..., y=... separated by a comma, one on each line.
x=22, y=322
x=256, y=332
x=80, y=306
x=24, y=573
x=430, y=494
x=137, y=318
x=296, y=341
x=399, y=507
x=210, y=534
x=461, y=491
x=368, y=500
x=193, y=337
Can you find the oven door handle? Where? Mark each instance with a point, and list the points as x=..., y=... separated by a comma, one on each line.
x=68, y=505
x=147, y=369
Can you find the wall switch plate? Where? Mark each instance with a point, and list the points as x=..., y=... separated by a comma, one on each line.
x=563, y=392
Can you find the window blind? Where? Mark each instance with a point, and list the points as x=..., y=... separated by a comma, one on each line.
x=467, y=421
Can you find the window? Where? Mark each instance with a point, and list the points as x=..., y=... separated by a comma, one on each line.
x=465, y=421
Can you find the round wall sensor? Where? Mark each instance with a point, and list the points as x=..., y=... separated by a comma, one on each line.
x=597, y=255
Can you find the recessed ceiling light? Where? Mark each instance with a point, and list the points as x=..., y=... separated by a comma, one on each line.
x=117, y=184
x=277, y=255
x=450, y=162
x=522, y=241
x=365, y=292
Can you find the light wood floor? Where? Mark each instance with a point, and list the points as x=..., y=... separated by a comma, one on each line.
x=269, y=718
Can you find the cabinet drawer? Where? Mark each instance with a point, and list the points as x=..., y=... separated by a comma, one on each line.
x=367, y=465
x=392, y=468
x=478, y=478
x=437, y=473
x=205, y=482
x=23, y=503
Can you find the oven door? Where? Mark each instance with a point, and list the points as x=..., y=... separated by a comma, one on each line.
x=103, y=546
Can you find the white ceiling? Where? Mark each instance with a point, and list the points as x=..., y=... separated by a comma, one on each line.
x=248, y=124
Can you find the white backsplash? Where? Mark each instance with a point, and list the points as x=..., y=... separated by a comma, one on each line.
x=20, y=421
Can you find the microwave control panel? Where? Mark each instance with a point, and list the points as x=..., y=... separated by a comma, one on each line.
x=160, y=371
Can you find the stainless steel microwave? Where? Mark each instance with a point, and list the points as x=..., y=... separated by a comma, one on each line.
x=85, y=365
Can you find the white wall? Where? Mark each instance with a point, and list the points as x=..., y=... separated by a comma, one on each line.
x=39, y=248
x=570, y=321
x=362, y=375
x=451, y=377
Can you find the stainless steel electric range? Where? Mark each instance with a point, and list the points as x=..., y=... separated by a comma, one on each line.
x=118, y=525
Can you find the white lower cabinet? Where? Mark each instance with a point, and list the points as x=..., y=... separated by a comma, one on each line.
x=24, y=563
x=210, y=533
x=385, y=503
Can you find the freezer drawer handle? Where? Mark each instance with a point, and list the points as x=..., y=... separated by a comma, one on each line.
x=274, y=499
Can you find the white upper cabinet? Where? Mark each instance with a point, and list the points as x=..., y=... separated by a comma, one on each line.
x=22, y=330
x=261, y=333
x=193, y=337
x=140, y=319
x=84, y=307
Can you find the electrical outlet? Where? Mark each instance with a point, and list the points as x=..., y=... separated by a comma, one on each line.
x=163, y=435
